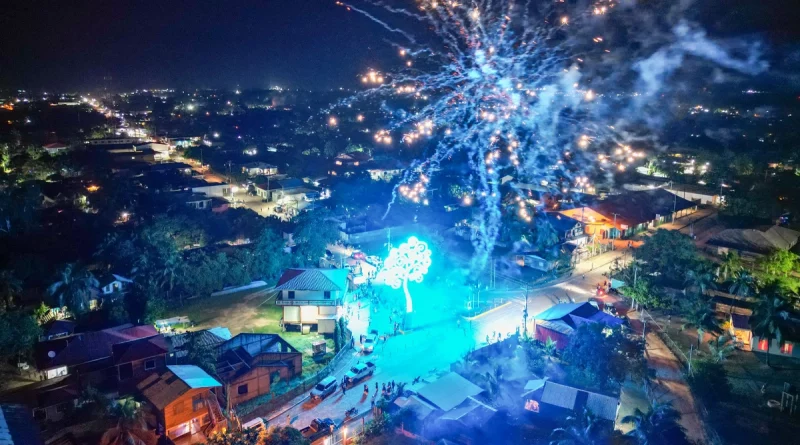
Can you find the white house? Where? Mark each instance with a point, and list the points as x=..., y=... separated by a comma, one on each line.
x=111, y=283
x=55, y=148
x=259, y=169
x=312, y=297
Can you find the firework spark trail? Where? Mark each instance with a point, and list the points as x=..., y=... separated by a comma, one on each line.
x=507, y=85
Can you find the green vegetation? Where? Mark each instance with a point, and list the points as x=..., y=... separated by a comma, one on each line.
x=602, y=357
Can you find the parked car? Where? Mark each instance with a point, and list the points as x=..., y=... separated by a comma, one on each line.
x=311, y=196
x=358, y=255
x=374, y=260
x=359, y=371
x=324, y=388
x=258, y=424
x=318, y=428
x=278, y=209
x=369, y=343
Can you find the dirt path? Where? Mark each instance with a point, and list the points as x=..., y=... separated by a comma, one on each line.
x=670, y=384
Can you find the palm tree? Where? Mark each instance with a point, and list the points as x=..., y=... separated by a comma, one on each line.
x=586, y=429
x=129, y=428
x=720, y=348
x=10, y=287
x=73, y=288
x=701, y=316
x=659, y=425
x=743, y=284
x=769, y=317
x=730, y=266
x=700, y=280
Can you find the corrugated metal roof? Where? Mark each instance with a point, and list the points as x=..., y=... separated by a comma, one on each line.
x=163, y=389
x=313, y=279
x=566, y=397
x=757, y=241
x=193, y=376
x=449, y=391
x=16, y=427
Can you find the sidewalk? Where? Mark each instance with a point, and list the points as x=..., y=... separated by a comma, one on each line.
x=669, y=383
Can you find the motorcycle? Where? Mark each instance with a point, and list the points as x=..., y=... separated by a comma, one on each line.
x=351, y=412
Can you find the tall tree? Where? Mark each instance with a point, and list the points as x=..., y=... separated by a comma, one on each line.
x=743, y=284
x=129, y=427
x=700, y=280
x=585, y=428
x=730, y=266
x=667, y=254
x=269, y=257
x=769, y=318
x=10, y=288
x=314, y=231
x=200, y=354
x=699, y=314
x=73, y=288
x=658, y=426
x=19, y=332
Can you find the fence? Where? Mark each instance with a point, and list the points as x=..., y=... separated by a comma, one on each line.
x=712, y=437
x=302, y=387
x=662, y=334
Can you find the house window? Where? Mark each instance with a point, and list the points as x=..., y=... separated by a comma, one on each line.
x=177, y=408
x=280, y=295
x=532, y=406
x=291, y=295
x=197, y=402
x=39, y=414
x=242, y=389
x=787, y=348
x=149, y=364
x=763, y=344
x=327, y=295
x=125, y=371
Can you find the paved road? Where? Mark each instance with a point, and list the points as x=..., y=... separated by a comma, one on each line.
x=422, y=352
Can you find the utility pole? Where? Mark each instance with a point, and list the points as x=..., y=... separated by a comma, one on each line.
x=615, y=225
x=525, y=313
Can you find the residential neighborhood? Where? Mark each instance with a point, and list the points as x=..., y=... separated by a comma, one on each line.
x=396, y=223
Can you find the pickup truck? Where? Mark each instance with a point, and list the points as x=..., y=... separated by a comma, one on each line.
x=318, y=428
x=358, y=372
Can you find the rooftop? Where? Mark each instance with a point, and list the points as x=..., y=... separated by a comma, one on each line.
x=313, y=279
x=88, y=346
x=448, y=391
x=163, y=389
x=634, y=208
x=756, y=241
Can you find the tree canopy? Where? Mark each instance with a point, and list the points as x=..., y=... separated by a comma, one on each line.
x=603, y=357
x=667, y=255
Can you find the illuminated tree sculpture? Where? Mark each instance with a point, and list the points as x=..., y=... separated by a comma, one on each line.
x=408, y=262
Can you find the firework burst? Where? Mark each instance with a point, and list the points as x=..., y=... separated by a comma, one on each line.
x=511, y=89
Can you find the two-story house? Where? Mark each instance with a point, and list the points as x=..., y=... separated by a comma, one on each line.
x=249, y=364
x=182, y=401
x=88, y=353
x=312, y=297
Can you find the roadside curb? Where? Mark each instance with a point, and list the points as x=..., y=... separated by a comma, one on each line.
x=487, y=312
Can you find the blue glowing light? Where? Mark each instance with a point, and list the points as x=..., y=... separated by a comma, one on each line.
x=408, y=262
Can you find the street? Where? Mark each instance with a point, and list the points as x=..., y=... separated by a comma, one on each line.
x=431, y=349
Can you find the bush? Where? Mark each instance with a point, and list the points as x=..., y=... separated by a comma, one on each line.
x=709, y=382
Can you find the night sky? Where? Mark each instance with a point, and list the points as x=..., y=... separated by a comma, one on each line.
x=226, y=44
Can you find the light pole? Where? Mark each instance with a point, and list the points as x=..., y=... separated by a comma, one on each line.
x=525, y=314
x=615, y=226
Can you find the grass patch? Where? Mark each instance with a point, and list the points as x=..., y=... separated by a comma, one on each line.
x=252, y=310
